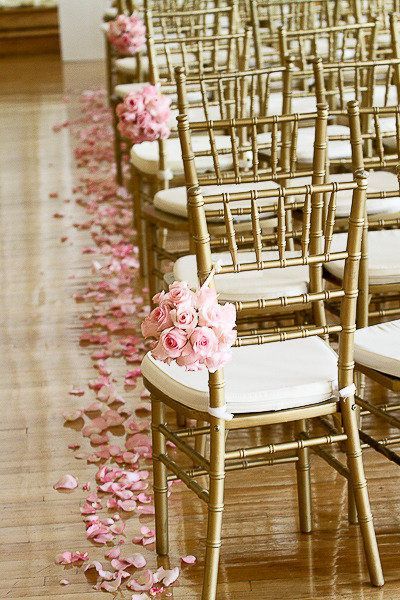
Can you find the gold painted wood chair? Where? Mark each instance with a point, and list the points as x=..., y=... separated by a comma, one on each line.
x=184, y=39
x=379, y=152
x=236, y=165
x=254, y=387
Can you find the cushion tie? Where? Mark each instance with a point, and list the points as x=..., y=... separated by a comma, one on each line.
x=220, y=413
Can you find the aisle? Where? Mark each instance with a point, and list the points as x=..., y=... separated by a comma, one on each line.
x=46, y=260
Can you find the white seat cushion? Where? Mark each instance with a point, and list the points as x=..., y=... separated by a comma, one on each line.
x=127, y=65
x=174, y=200
x=378, y=181
x=111, y=13
x=123, y=89
x=248, y=285
x=305, y=143
x=383, y=256
x=269, y=377
x=336, y=148
x=145, y=156
x=378, y=347
x=300, y=104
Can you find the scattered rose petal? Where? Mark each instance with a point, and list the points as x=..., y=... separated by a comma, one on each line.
x=66, y=482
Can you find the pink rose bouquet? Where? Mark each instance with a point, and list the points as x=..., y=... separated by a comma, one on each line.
x=127, y=34
x=144, y=115
x=191, y=328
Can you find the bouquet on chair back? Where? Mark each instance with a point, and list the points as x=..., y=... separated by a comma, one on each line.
x=191, y=328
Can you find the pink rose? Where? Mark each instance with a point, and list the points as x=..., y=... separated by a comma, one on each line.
x=222, y=318
x=180, y=293
x=184, y=317
x=205, y=296
x=217, y=360
x=158, y=320
x=171, y=344
x=204, y=342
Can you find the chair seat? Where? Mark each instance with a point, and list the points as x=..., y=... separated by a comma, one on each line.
x=248, y=285
x=123, y=89
x=269, y=377
x=305, y=145
x=300, y=104
x=174, y=200
x=383, y=256
x=145, y=156
x=110, y=14
x=378, y=181
x=378, y=347
x=128, y=65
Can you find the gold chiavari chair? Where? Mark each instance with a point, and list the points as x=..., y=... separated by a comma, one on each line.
x=156, y=165
x=186, y=40
x=132, y=69
x=239, y=95
x=381, y=245
x=253, y=389
x=268, y=16
x=332, y=44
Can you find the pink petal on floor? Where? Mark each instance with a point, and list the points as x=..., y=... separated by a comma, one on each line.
x=72, y=416
x=136, y=560
x=118, y=528
x=127, y=505
x=143, y=583
x=99, y=568
x=64, y=582
x=139, y=597
x=114, y=586
x=64, y=559
x=188, y=560
x=113, y=553
x=76, y=392
x=93, y=407
x=167, y=576
x=146, y=509
x=66, y=482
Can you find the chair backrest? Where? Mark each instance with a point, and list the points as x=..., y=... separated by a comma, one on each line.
x=254, y=148
x=314, y=242
x=337, y=43
x=206, y=40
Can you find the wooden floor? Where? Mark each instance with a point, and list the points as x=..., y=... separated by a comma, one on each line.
x=263, y=556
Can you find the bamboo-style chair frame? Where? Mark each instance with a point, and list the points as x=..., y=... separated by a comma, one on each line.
x=373, y=153
x=305, y=44
x=166, y=21
x=237, y=95
x=314, y=251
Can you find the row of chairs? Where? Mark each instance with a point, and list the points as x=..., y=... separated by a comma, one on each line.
x=279, y=185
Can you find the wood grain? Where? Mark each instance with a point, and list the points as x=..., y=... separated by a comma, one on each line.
x=263, y=555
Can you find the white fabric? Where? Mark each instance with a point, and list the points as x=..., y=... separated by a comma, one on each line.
x=111, y=13
x=268, y=377
x=145, y=156
x=336, y=148
x=305, y=143
x=378, y=181
x=300, y=104
x=378, y=347
x=123, y=89
x=220, y=413
x=383, y=256
x=248, y=285
x=174, y=200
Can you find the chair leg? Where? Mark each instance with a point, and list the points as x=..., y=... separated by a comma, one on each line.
x=160, y=484
x=150, y=260
x=200, y=443
x=360, y=490
x=119, y=176
x=303, y=468
x=137, y=216
x=215, y=509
